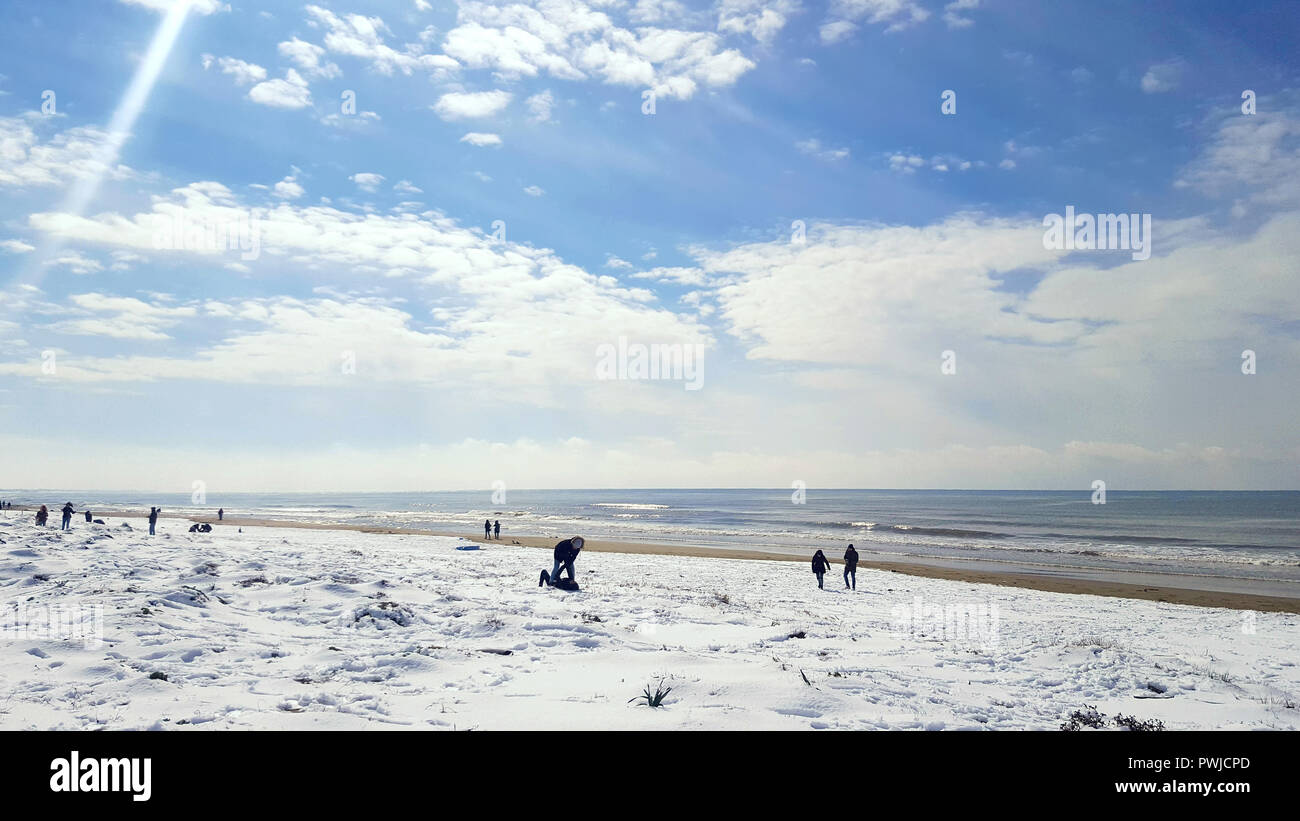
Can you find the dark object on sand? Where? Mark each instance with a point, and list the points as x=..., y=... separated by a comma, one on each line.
x=560, y=582
x=99, y=521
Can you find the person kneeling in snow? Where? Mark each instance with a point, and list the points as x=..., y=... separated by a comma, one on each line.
x=566, y=552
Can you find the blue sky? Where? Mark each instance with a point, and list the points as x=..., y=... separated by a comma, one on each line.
x=475, y=353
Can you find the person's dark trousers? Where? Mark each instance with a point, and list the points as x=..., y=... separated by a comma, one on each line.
x=151, y=526
x=851, y=571
x=559, y=565
x=820, y=578
x=67, y=522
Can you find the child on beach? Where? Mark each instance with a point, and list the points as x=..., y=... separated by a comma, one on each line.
x=42, y=516
x=819, y=565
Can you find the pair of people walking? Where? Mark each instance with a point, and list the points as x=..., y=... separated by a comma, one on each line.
x=820, y=564
x=488, y=528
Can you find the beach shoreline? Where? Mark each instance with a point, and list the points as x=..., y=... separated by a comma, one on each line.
x=1058, y=582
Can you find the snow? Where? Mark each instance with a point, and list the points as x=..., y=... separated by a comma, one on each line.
x=278, y=628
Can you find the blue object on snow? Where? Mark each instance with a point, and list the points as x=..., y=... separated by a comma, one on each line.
x=468, y=547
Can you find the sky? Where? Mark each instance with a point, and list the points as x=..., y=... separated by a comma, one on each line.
x=399, y=244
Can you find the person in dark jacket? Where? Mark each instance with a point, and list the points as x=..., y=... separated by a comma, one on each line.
x=566, y=552
x=67, y=516
x=42, y=515
x=221, y=513
x=496, y=527
x=153, y=518
x=820, y=563
x=851, y=567
x=487, y=529
x=88, y=516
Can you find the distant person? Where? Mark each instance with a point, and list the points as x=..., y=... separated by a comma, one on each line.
x=819, y=564
x=153, y=518
x=42, y=516
x=496, y=528
x=67, y=516
x=566, y=553
x=851, y=567
x=89, y=518
x=221, y=513
x=487, y=529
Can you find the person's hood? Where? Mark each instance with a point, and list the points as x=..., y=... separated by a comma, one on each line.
x=577, y=541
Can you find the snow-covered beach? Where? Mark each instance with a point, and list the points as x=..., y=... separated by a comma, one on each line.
x=284, y=628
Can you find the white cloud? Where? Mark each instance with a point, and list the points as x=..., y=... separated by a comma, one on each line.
x=291, y=92
x=481, y=139
x=307, y=56
x=407, y=187
x=539, y=106
x=813, y=148
x=952, y=13
x=1163, y=76
x=356, y=35
x=367, y=181
x=244, y=73
x=288, y=189
x=16, y=246
x=570, y=40
x=533, y=191
x=75, y=262
x=26, y=160
x=459, y=105
x=844, y=15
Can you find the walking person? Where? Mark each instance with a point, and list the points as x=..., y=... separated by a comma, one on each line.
x=496, y=527
x=819, y=564
x=221, y=513
x=153, y=518
x=67, y=516
x=851, y=567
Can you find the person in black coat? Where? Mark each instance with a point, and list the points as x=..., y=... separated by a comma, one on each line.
x=566, y=552
x=67, y=516
x=820, y=563
x=851, y=567
x=496, y=528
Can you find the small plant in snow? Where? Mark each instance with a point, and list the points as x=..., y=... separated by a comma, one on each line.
x=655, y=699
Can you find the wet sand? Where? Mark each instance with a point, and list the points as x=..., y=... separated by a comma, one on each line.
x=1059, y=583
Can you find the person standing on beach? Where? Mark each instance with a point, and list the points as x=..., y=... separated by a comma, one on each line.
x=42, y=516
x=487, y=529
x=221, y=513
x=67, y=516
x=851, y=567
x=819, y=564
x=566, y=553
x=497, y=527
x=88, y=516
x=153, y=518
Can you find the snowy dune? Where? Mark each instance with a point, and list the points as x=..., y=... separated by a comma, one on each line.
x=280, y=628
